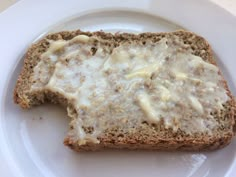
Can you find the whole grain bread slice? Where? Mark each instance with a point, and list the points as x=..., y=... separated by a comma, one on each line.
x=145, y=136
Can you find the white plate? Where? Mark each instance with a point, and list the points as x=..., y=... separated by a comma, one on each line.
x=31, y=141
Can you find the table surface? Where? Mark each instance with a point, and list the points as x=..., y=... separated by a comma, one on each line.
x=229, y=5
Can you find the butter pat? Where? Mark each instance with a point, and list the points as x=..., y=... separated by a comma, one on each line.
x=180, y=75
x=145, y=104
x=145, y=72
x=196, y=104
x=55, y=46
x=81, y=38
x=119, y=57
x=164, y=93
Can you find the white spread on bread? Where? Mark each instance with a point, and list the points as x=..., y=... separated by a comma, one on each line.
x=135, y=83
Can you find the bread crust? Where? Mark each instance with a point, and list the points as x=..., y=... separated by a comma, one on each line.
x=166, y=140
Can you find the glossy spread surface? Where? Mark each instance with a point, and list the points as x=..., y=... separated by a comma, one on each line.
x=131, y=84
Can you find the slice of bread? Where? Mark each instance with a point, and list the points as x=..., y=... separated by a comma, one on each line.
x=147, y=91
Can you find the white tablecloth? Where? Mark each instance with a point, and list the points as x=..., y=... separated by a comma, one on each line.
x=229, y=5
